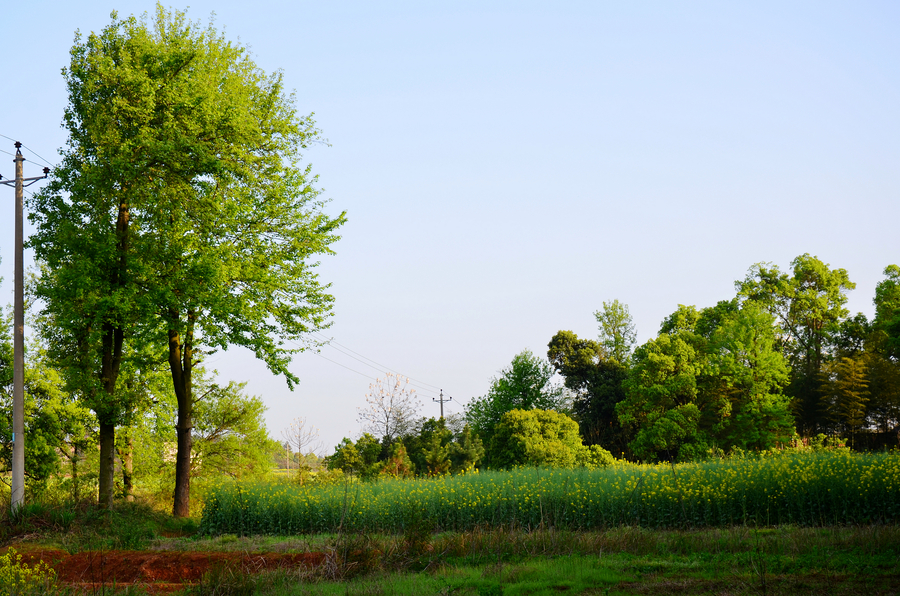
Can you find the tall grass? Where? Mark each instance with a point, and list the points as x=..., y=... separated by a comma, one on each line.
x=823, y=488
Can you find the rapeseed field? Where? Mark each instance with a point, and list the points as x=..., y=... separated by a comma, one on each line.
x=805, y=488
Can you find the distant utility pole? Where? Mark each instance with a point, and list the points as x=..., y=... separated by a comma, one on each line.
x=18, y=456
x=441, y=401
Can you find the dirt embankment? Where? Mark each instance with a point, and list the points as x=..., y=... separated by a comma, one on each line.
x=159, y=570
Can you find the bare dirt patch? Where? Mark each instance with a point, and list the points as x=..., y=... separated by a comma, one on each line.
x=160, y=570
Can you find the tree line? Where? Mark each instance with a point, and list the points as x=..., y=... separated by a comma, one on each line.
x=779, y=363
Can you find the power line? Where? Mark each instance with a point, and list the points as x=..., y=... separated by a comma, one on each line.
x=331, y=340
x=380, y=369
x=347, y=367
x=32, y=151
x=362, y=374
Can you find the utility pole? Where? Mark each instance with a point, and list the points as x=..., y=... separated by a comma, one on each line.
x=441, y=401
x=18, y=455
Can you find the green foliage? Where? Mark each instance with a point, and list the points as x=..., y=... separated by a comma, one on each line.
x=617, y=333
x=360, y=458
x=180, y=214
x=596, y=384
x=54, y=422
x=398, y=464
x=749, y=371
x=542, y=438
x=712, y=380
x=17, y=577
x=847, y=391
x=524, y=384
x=661, y=394
x=831, y=487
x=887, y=311
x=883, y=376
x=429, y=450
x=466, y=452
x=808, y=304
x=436, y=456
x=230, y=436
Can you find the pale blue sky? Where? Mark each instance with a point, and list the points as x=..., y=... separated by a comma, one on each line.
x=508, y=166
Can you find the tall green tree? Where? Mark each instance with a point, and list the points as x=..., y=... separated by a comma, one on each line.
x=185, y=157
x=808, y=304
x=596, y=384
x=887, y=311
x=525, y=384
x=661, y=402
x=713, y=378
x=847, y=392
x=749, y=372
x=882, y=351
x=617, y=331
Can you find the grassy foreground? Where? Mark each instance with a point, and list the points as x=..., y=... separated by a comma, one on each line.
x=846, y=559
x=785, y=560
x=807, y=488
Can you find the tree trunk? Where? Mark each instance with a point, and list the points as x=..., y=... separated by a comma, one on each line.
x=107, y=464
x=76, y=481
x=110, y=364
x=126, y=454
x=181, y=364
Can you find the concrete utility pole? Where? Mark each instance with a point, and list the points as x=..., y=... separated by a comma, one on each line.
x=441, y=401
x=18, y=455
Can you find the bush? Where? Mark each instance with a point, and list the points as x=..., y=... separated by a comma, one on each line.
x=16, y=577
x=542, y=438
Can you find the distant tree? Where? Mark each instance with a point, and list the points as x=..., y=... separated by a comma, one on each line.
x=713, y=378
x=436, y=450
x=847, y=392
x=596, y=384
x=360, y=458
x=525, y=384
x=54, y=421
x=230, y=435
x=661, y=398
x=748, y=374
x=808, y=304
x=887, y=312
x=883, y=406
x=882, y=350
x=398, y=464
x=617, y=332
x=391, y=408
x=302, y=436
x=851, y=336
x=466, y=451
x=542, y=438
x=429, y=449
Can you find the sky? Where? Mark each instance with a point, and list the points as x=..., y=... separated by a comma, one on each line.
x=506, y=167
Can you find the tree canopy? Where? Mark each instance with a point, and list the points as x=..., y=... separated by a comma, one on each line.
x=525, y=384
x=180, y=216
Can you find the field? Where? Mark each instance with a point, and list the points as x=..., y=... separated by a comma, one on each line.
x=807, y=489
x=809, y=523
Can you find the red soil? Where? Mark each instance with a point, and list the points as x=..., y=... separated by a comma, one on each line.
x=159, y=570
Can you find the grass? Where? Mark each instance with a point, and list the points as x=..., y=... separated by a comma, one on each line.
x=845, y=559
x=785, y=560
x=813, y=488
x=82, y=526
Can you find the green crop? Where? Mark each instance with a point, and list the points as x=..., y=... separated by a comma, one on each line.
x=811, y=489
